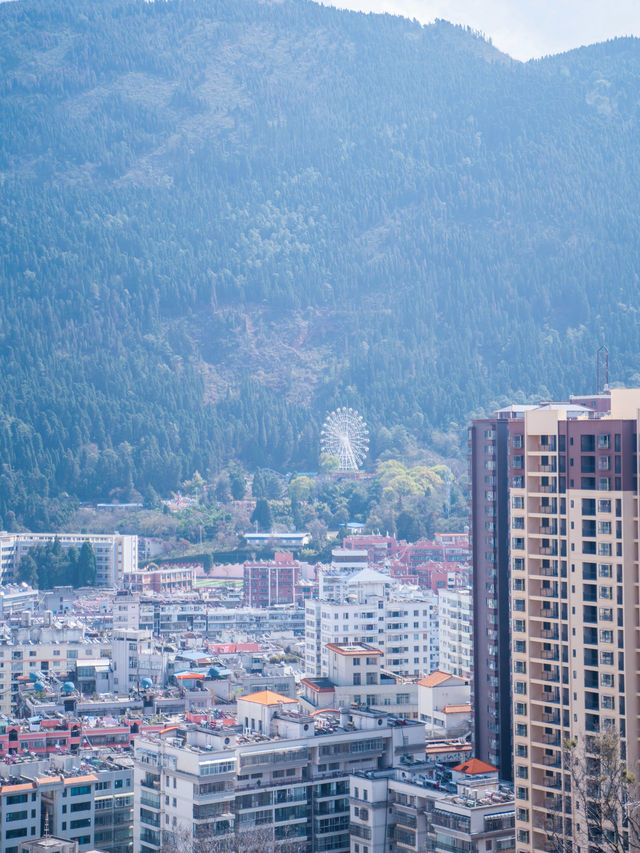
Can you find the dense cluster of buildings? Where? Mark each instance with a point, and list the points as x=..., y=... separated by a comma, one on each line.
x=116, y=701
x=393, y=700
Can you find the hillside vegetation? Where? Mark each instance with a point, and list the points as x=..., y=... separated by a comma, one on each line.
x=221, y=218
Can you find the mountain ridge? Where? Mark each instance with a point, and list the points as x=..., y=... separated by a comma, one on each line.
x=221, y=220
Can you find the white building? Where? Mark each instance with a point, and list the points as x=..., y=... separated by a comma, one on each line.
x=279, y=773
x=115, y=553
x=357, y=679
x=444, y=704
x=42, y=645
x=403, y=625
x=456, y=631
x=135, y=660
x=406, y=809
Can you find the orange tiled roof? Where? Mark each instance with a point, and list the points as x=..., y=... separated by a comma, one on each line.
x=436, y=678
x=456, y=709
x=267, y=697
x=474, y=767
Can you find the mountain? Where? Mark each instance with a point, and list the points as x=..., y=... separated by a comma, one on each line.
x=220, y=219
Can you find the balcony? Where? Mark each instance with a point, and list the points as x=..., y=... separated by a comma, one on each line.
x=553, y=718
x=547, y=654
x=545, y=675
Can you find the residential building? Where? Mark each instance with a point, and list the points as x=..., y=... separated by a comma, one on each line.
x=444, y=704
x=491, y=695
x=135, y=661
x=356, y=678
x=78, y=803
x=412, y=808
x=455, y=631
x=271, y=582
x=574, y=570
x=115, y=553
x=42, y=645
x=168, y=579
x=403, y=625
x=279, y=771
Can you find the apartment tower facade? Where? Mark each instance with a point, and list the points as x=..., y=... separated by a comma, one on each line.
x=573, y=520
x=491, y=677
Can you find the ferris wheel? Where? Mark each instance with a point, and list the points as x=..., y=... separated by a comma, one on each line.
x=345, y=435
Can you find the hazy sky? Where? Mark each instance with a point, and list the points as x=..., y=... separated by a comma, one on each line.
x=522, y=28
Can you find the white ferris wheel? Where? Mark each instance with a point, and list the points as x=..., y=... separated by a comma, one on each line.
x=345, y=435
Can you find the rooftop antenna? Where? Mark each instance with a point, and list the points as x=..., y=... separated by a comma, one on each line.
x=602, y=370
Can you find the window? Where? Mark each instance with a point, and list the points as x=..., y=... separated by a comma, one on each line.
x=518, y=605
x=521, y=729
x=607, y=679
x=518, y=523
x=604, y=506
x=606, y=658
x=520, y=709
x=517, y=502
x=606, y=636
x=522, y=772
x=604, y=528
x=604, y=442
x=520, y=666
x=608, y=702
x=522, y=794
x=604, y=549
x=603, y=484
x=605, y=614
x=520, y=646
x=604, y=463
x=606, y=592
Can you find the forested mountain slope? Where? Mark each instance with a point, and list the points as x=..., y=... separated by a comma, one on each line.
x=221, y=218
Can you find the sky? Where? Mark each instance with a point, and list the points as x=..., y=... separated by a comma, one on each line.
x=522, y=28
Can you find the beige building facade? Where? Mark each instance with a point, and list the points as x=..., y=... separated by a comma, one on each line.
x=573, y=503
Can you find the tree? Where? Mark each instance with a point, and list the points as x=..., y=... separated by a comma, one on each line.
x=86, y=565
x=409, y=527
x=262, y=514
x=238, y=485
x=207, y=563
x=28, y=571
x=604, y=795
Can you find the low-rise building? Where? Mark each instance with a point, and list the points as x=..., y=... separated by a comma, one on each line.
x=402, y=810
x=115, y=553
x=444, y=704
x=356, y=678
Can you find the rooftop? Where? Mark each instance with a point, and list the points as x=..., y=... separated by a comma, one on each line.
x=435, y=678
x=353, y=649
x=474, y=767
x=269, y=698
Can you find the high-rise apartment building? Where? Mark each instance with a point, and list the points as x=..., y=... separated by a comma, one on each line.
x=573, y=520
x=488, y=468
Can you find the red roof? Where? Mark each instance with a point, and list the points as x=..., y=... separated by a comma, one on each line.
x=474, y=767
